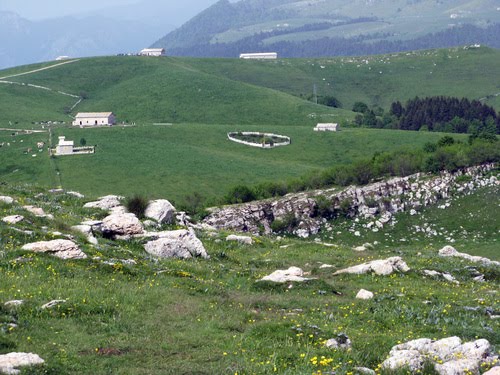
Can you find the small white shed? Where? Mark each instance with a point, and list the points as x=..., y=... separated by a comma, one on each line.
x=327, y=127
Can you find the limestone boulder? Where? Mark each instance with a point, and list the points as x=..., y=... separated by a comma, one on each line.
x=10, y=363
x=493, y=371
x=121, y=225
x=379, y=267
x=64, y=249
x=449, y=251
x=245, y=240
x=13, y=219
x=177, y=244
x=38, y=212
x=160, y=210
x=105, y=203
x=449, y=356
x=6, y=200
x=341, y=342
x=283, y=276
x=364, y=294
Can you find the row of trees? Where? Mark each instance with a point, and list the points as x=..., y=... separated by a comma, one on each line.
x=440, y=113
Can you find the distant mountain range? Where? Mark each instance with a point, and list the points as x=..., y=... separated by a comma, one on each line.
x=118, y=29
x=312, y=28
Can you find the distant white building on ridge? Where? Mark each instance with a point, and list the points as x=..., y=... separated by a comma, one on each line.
x=259, y=56
x=327, y=127
x=94, y=119
x=155, y=52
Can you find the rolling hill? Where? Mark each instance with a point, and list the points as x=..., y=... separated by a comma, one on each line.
x=333, y=27
x=203, y=99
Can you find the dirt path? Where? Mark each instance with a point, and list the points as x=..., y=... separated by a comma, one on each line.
x=39, y=70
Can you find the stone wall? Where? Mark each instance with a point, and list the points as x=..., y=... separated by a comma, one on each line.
x=378, y=199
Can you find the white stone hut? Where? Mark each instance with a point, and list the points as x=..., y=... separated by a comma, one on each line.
x=155, y=52
x=94, y=119
x=327, y=127
x=259, y=56
x=65, y=147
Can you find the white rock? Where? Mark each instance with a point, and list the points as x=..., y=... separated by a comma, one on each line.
x=493, y=371
x=53, y=303
x=63, y=249
x=379, y=267
x=13, y=219
x=121, y=225
x=5, y=199
x=105, y=203
x=160, y=210
x=449, y=355
x=449, y=251
x=364, y=371
x=14, y=303
x=444, y=275
x=9, y=363
x=241, y=239
x=341, y=342
x=357, y=233
x=323, y=266
x=364, y=294
x=283, y=276
x=76, y=194
x=179, y=244
x=413, y=212
x=38, y=212
x=360, y=248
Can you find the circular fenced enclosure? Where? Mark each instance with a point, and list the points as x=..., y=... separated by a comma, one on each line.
x=261, y=140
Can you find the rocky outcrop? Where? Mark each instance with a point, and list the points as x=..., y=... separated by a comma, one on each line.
x=160, y=210
x=381, y=199
x=284, y=276
x=105, y=203
x=121, y=225
x=449, y=251
x=379, y=267
x=245, y=240
x=63, y=249
x=443, y=275
x=176, y=244
x=449, y=356
x=13, y=219
x=10, y=363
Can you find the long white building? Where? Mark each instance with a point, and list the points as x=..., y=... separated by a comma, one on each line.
x=259, y=56
x=155, y=52
x=94, y=119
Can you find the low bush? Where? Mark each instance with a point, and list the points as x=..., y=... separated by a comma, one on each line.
x=137, y=205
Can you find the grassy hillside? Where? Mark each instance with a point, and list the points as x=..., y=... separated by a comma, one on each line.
x=169, y=90
x=213, y=317
x=375, y=80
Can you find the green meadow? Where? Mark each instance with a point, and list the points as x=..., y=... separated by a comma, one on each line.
x=215, y=317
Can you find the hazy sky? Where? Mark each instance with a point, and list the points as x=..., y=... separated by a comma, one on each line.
x=38, y=9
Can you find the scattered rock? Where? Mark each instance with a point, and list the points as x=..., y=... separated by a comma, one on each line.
x=63, y=249
x=323, y=266
x=53, y=303
x=105, y=203
x=6, y=200
x=379, y=267
x=364, y=371
x=160, y=210
x=13, y=219
x=179, y=244
x=245, y=240
x=444, y=275
x=87, y=231
x=38, y=212
x=360, y=248
x=364, y=294
x=76, y=194
x=449, y=251
x=283, y=276
x=14, y=303
x=341, y=342
x=449, y=356
x=9, y=363
x=121, y=225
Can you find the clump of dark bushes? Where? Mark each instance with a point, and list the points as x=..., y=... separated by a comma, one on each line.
x=137, y=205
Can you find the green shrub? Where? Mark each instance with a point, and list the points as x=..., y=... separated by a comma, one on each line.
x=287, y=224
x=240, y=194
x=137, y=205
